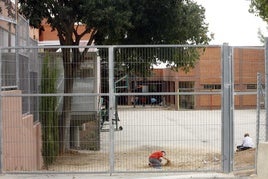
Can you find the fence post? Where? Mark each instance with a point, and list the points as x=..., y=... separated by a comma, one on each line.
x=227, y=109
x=1, y=119
x=266, y=89
x=111, y=107
x=258, y=106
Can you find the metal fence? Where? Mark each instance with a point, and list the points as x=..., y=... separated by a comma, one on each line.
x=127, y=102
x=17, y=65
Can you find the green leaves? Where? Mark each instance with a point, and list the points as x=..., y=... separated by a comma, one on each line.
x=163, y=22
x=260, y=8
x=125, y=21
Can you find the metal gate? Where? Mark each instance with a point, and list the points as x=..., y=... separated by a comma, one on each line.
x=126, y=102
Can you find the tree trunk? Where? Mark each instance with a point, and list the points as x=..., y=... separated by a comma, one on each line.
x=70, y=66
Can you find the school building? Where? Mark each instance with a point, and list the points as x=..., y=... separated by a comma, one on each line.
x=205, y=77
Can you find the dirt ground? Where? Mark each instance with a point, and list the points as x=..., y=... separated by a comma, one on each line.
x=244, y=162
x=134, y=144
x=137, y=160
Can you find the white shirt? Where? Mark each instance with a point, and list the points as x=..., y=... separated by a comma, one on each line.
x=247, y=142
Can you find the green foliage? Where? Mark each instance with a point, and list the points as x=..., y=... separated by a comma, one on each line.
x=260, y=8
x=98, y=15
x=47, y=112
x=121, y=22
x=126, y=22
x=163, y=22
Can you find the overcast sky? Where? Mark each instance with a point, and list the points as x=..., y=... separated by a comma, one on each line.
x=231, y=22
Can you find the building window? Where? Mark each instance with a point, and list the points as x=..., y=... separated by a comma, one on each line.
x=212, y=86
x=251, y=86
x=186, y=86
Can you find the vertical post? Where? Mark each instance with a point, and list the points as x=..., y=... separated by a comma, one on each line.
x=266, y=89
x=227, y=109
x=17, y=44
x=28, y=41
x=111, y=107
x=258, y=106
x=1, y=119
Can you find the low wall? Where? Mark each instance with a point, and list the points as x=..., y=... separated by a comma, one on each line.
x=22, y=140
x=262, y=161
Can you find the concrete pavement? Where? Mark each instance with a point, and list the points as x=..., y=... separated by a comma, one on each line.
x=120, y=176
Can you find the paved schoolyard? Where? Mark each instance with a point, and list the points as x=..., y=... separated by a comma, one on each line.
x=157, y=126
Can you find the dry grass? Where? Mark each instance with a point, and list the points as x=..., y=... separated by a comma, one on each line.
x=244, y=162
x=137, y=160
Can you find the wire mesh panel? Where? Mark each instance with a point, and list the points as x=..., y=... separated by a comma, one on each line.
x=61, y=132
x=89, y=151
x=18, y=69
x=261, y=120
x=8, y=70
x=20, y=136
x=248, y=62
x=190, y=138
x=173, y=105
x=109, y=108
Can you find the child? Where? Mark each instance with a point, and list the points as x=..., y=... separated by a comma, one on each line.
x=246, y=143
x=155, y=159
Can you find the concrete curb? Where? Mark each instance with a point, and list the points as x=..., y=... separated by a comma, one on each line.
x=119, y=176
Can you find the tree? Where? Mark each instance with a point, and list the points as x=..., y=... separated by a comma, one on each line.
x=117, y=22
x=160, y=22
x=260, y=8
x=63, y=16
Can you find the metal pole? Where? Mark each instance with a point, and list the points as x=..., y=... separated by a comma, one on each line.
x=258, y=106
x=266, y=89
x=111, y=107
x=16, y=45
x=227, y=109
x=1, y=119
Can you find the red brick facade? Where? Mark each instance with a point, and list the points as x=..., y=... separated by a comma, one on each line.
x=207, y=75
